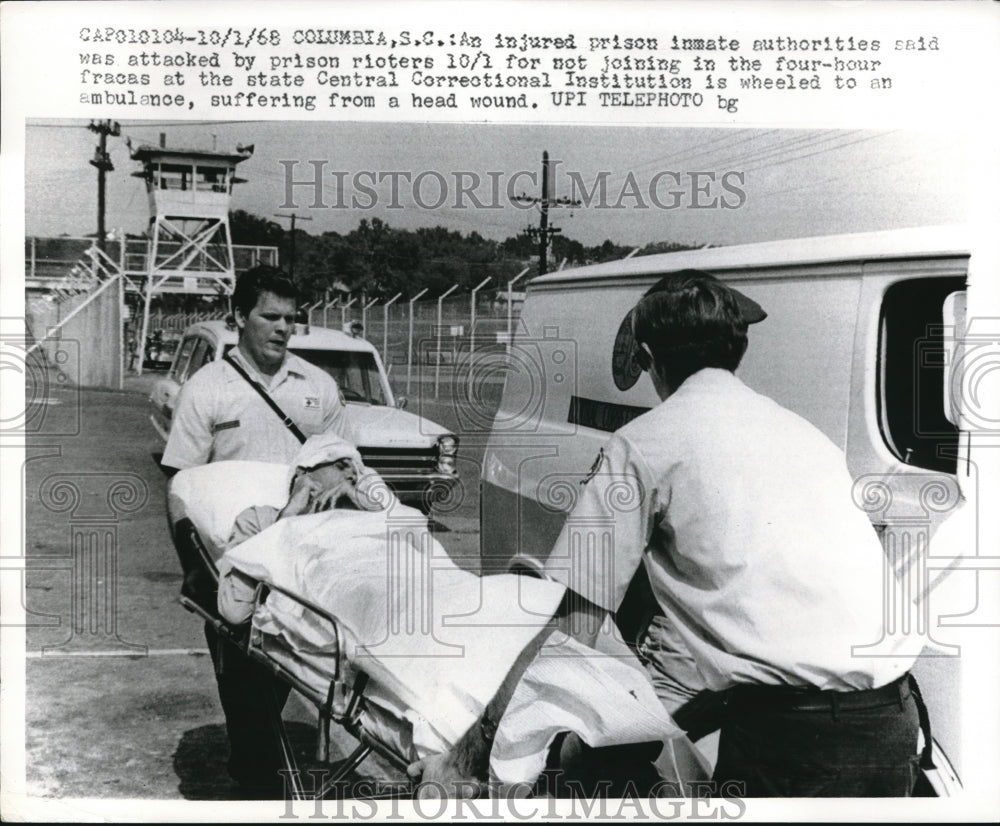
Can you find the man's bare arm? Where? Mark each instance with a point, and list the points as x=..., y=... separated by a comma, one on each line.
x=455, y=773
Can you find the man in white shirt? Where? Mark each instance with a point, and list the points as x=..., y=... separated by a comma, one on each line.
x=220, y=416
x=766, y=571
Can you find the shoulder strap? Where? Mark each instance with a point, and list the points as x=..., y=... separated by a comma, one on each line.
x=285, y=419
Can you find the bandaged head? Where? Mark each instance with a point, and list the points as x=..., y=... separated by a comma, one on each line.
x=324, y=449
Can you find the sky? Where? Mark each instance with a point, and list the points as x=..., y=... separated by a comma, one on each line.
x=781, y=183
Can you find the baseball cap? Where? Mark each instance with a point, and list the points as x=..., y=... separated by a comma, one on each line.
x=627, y=358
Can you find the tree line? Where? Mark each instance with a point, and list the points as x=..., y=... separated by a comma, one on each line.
x=380, y=261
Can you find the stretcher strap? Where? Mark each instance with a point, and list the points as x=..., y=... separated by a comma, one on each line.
x=286, y=420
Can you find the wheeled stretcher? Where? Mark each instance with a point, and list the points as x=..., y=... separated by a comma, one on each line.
x=369, y=621
x=339, y=703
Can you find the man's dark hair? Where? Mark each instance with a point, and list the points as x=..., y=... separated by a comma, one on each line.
x=690, y=321
x=261, y=279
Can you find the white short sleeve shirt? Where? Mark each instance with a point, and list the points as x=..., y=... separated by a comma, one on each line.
x=743, y=515
x=219, y=416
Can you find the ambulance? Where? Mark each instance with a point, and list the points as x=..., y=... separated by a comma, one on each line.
x=866, y=336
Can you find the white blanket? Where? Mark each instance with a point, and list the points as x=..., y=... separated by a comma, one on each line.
x=438, y=640
x=433, y=634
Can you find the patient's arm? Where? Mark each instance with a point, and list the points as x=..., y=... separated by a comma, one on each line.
x=455, y=772
x=236, y=591
x=236, y=596
x=251, y=522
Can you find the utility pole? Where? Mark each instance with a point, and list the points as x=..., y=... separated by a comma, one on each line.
x=291, y=250
x=543, y=231
x=102, y=160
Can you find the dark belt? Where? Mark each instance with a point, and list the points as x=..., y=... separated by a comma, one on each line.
x=791, y=698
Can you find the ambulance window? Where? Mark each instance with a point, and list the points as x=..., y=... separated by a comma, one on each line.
x=912, y=373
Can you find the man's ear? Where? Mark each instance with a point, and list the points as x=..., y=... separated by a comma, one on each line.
x=240, y=319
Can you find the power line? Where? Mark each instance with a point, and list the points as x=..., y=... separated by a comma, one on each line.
x=754, y=154
x=819, y=152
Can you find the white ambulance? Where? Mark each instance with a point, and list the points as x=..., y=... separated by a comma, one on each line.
x=860, y=339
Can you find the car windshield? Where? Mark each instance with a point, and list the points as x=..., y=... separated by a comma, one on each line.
x=354, y=371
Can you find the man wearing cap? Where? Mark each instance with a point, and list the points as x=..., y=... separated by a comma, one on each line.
x=327, y=473
x=766, y=572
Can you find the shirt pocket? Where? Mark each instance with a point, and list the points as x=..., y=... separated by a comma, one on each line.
x=308, y=414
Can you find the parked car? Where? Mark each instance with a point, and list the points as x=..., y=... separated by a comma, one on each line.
x=414, y=455
x=161, y=347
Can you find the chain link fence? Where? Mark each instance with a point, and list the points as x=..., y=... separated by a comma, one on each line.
x=428, y=345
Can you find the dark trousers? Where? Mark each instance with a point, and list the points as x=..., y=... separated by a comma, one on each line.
x=250, y=694
x=823, y=746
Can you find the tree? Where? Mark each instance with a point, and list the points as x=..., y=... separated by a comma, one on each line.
x=380, y=261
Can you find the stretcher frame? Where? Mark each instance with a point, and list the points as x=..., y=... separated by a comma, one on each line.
x=337, y=705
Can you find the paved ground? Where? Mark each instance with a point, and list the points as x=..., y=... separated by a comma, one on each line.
x=121, y=699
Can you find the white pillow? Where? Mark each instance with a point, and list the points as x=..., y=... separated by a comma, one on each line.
x=213, y=495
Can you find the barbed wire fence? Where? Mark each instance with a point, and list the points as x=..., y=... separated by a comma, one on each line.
x=427, y=344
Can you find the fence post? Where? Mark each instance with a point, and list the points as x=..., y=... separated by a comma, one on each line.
x=364, y=317
x=472, y=318
x=326, y=307
x=309, y=312
x=472, y=326
x=33, y=256
x=437, y=361
x=343, y=312
x=385, y=328
x=510, y=304
x=409, y=342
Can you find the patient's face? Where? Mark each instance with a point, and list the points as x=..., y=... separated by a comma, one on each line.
x=333, y=474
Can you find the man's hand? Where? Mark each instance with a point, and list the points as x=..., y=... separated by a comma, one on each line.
x=327, y=499
x=304, y=491
x=439, y=776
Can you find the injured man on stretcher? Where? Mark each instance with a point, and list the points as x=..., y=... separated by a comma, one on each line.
x=341, y=580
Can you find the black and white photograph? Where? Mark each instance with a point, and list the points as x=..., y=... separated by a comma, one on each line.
x=418, y=414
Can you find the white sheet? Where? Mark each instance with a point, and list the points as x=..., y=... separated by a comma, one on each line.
x=438, y=640
x=568, y=687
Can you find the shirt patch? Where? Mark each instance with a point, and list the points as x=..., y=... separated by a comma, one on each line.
x=226, y=425
x=312, y=402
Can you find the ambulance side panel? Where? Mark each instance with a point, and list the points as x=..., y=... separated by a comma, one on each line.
x=852, y=347
x=554, y=417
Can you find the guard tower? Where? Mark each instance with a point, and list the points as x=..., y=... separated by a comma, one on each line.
x=190, y=191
